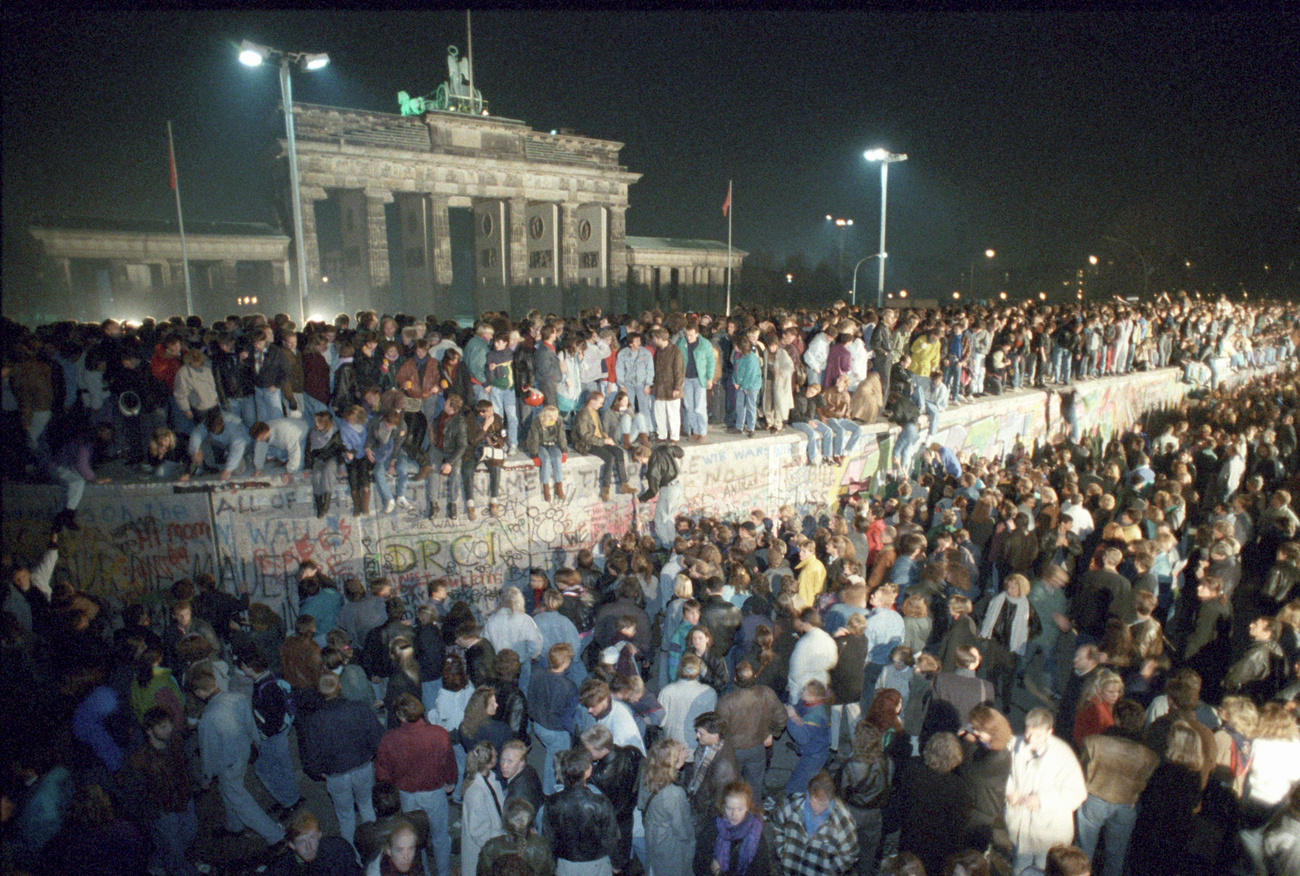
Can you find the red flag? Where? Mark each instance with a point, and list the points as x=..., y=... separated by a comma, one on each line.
x=171, y=162
x=726, y=205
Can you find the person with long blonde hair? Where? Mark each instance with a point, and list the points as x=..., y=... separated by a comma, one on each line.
x=1167, y=804
x=666, y=810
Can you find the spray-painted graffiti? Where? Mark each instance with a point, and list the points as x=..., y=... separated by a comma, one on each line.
x=137, y=539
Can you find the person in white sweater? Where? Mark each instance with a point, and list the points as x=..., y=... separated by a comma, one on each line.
x=814, y=655
x=510, y=627
x=1044, y=789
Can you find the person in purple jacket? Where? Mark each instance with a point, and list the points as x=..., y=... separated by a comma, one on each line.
x=71, y=466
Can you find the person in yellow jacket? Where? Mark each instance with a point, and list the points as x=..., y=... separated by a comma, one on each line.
x=926, y=351
x=812, y=574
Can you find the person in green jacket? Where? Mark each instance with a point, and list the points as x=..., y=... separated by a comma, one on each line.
x=701, y=364
x=748, y=381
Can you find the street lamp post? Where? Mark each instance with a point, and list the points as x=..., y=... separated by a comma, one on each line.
x=988, y=254
x=878, y=255
x=1146, y=271
x=886, y=158
x=253, y=55
x=843, y=225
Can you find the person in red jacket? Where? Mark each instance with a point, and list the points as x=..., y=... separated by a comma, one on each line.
x=417, y=758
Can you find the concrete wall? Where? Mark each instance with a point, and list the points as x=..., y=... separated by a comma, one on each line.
x=136, y=539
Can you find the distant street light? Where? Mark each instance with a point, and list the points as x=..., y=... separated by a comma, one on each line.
x=1092, y=260
x=253, y=55
x=1146, y=270
x=988, y=254
x=885, y=158
x=843, y=225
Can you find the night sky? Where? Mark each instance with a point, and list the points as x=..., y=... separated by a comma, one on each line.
x=1036, y=134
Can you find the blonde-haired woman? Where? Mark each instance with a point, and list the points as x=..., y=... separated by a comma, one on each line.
x=666, y=811
x=1165, y=808
x=1239, y=720
x=1010, y=622
x=480, y=818
x=1098, y=700
x=549, y=448
x=1274, y=769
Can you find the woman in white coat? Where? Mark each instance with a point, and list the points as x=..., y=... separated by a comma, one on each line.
x=480, y=815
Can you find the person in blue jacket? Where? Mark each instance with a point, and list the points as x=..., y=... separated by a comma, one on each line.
x=747, y=377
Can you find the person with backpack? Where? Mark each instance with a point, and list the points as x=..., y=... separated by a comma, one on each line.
x=273, y=712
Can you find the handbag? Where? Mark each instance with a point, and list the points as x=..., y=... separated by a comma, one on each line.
x=412, y=405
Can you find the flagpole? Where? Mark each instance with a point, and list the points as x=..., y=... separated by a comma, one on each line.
x=180, y=221
x=729, y=211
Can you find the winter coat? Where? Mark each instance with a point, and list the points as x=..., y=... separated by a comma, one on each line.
x=670, y=373
x=540, y=436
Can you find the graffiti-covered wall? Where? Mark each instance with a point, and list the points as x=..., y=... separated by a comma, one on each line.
x=136, y=539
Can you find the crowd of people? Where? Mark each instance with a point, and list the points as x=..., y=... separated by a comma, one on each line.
x=755, y=694
x=381, y=402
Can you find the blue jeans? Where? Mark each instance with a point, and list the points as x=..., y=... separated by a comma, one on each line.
x=909, y=441
x=267, y=403
x=350, y=792
x=403, y=468
x=550, y=471
x=632, y=425
x=75, y=483
x=173, y=833
x=506, y=405
x=807, y=767
x=1061, y=365
x=1097, y=817
x=434, y=804
x=847, y=435
x=819, y=439
x=932, y=413
x=746, y=409
x=666, y=508
x=274, y=767
x=753, y=768
x=813, y=375
x=695, y=399
x=242, y=810
x=553, y=742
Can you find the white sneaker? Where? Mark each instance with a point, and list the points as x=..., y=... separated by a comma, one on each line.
x=404, y=503
x=389, y=506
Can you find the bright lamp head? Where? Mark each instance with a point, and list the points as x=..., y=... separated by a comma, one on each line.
x=315, y=60
x=875, y=155
x=251, y=54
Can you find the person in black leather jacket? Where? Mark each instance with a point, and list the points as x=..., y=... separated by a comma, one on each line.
x=580, y=822
x=1261, y=670
x=615, y=770
x=512, y=707
x=720, y=616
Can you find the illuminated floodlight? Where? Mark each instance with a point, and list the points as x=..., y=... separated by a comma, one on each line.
x=251, y=54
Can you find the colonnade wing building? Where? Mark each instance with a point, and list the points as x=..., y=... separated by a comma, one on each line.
x=443, y=212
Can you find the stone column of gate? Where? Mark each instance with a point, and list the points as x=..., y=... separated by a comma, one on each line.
x=567, y=236
x=516, y=231
x=617, y=244
x=440, y=225
x=377, y=238
x=311, y=255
